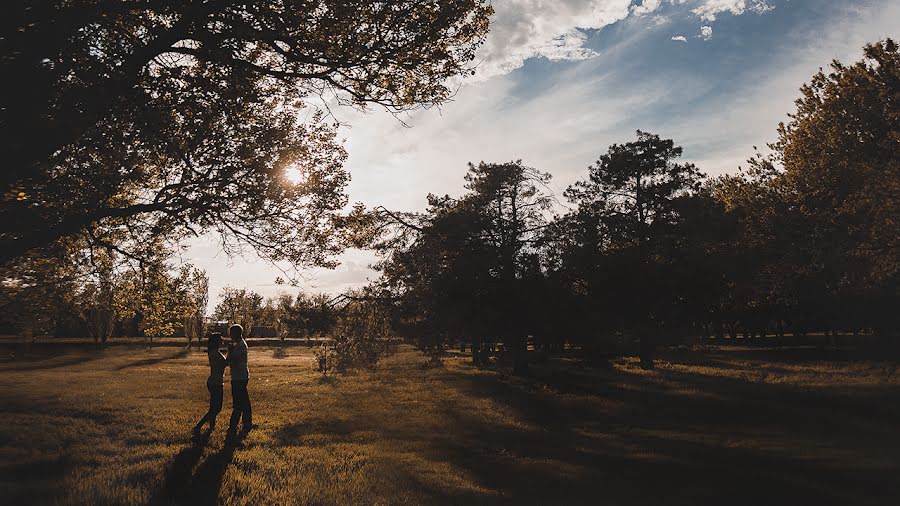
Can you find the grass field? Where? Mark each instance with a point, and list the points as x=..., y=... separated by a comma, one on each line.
x=723, y=426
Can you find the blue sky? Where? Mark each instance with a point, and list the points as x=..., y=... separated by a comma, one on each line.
x=558, y=81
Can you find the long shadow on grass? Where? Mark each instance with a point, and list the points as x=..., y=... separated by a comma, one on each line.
x=207, y=482
x=181, y=470
x=747, y=444
x=155, y=360
x=65, y=358
x=36, y=481
x=186, y=485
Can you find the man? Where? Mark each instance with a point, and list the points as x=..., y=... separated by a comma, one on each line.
x=240, y=375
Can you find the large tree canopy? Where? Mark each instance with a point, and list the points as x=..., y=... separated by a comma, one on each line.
x=841, y=157
x=627, y=221
x=126, y=120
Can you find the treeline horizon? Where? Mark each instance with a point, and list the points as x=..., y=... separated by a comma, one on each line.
x=805, y=239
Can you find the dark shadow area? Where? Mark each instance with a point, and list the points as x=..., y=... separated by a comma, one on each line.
x=43, y=478
x=204, y=488
x=190, y=483
x=155, y=360
x=327, y=380
x=49, y=357
x=181, y=470
x=744, y=443
x=336, y=431
x=768, y=351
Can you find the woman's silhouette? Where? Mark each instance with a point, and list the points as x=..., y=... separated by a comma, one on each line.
x=217, y=365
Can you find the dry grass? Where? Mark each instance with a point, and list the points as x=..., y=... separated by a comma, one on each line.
x=733, y=426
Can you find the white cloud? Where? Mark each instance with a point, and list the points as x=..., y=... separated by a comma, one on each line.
x=562, y=127
x=523, y=29
x=761, y=7
x=709, y=9
x=706, y=32
x=658, y=20
x=646, y=7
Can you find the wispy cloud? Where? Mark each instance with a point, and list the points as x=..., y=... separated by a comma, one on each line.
x=709, y=9
x=523, y=29
x=646, y=7
x=559, y=118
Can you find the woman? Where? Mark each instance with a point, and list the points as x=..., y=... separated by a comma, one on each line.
x=217, y=365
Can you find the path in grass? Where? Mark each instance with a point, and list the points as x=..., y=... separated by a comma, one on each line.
x=733, y=426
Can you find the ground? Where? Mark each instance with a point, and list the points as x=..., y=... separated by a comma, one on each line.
x=737, y=425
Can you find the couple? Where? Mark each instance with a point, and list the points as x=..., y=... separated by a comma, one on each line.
x=240, y=375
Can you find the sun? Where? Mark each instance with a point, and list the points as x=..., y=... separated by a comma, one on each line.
x=294, y=175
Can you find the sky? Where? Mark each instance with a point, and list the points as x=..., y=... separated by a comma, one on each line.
x=558, y=81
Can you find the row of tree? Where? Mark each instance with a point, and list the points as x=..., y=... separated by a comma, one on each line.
x=806, y=239
x=128, y=128
x=76, y=295
x=303, y=315
x=166, y=299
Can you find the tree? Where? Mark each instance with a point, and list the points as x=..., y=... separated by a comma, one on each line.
x=239, y=306
x=841, y=178
x=97, y=303
x=440, y=270
x=39, y=296
x=362, y=326
x=512, y=200
x=153, y=298
x=630, y=203
x=126, y=122
x=458, y=268
x=746, y=232
x=194, y=284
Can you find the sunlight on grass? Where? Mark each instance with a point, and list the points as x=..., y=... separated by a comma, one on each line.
x=114, y=427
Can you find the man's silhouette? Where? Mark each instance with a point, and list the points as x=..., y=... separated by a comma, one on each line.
x=240, y=375
x=217, y=365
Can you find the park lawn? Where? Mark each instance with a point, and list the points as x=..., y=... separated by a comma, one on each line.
x=716, y=426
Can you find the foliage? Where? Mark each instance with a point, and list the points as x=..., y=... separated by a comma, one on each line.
x=97, y=303
x=362, y=331
x=627, y=223
x=239, y=306
x=195, y=286
x=127, y=123
x=463, y=267
x=839, y=153
x=154, y=298
x=39, y=295
x=80, y=292
x=308, y=315
x=816, y=220
x=805, y=239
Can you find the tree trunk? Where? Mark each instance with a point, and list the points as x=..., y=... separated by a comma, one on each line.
x=647, y=349
x=519, y=355
x=732, y=330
